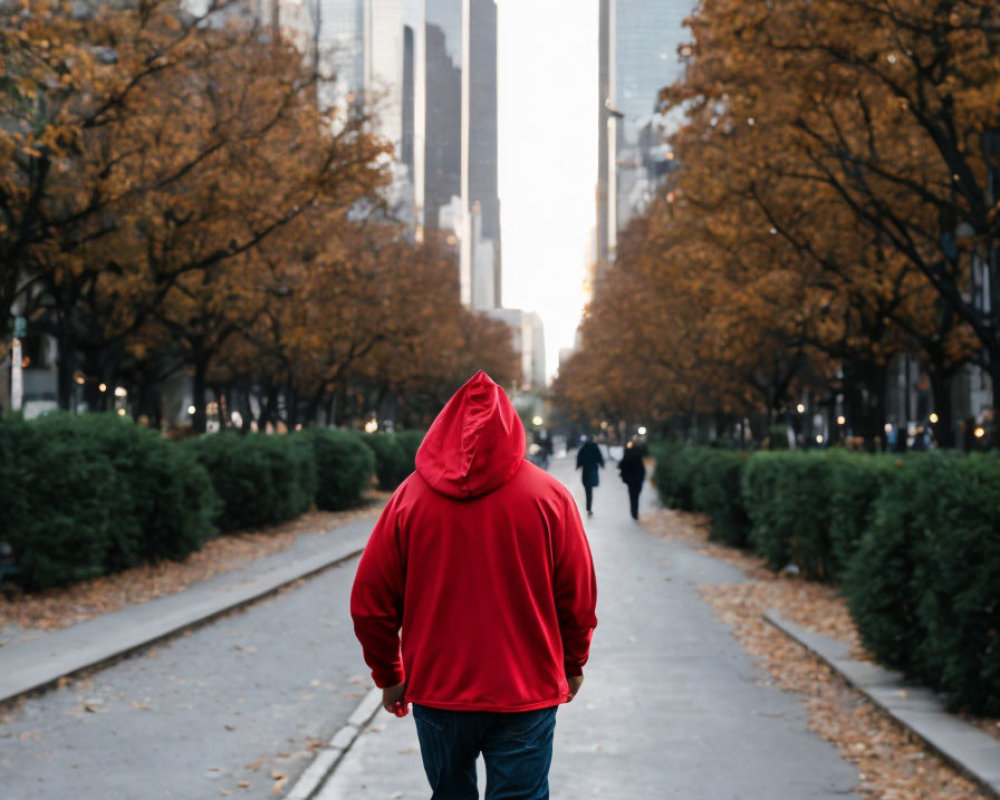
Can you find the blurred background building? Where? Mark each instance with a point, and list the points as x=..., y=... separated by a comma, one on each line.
x=638, y=44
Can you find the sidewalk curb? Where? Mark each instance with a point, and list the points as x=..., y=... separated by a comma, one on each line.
x=972, y=752
x=326, y=761
x=33, y=666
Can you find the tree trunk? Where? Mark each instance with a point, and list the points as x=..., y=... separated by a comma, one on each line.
x=198, y=393
x=944, y=428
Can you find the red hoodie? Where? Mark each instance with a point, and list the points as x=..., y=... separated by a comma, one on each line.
x=477, y=586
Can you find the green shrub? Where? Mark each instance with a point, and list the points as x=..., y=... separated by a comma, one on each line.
x=856, y=479
x=391, y=464
x=787, y=498
x=956, y=578
x=103, y=495
x=878, y=580
x=344, y=468
x=760, y=488
x=410, y=441
x=262, y=479
x=717, y=492
x=922, y=586
x=303, y=492
x=673, y=476
x=63, y=533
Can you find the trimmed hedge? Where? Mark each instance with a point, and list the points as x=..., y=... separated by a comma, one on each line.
x=856, y=481
x=81, y=496
x=261, y=479
x=716, y=492
x=673, y=475
x=345, y=466
x=924, y=584
x=410, y=441
x=915, y=541
x=787, y=495
x=392, y=465
x=707, y=480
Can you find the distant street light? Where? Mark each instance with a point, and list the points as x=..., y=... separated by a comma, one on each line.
x=537, y=421
x=371, y=426
x=800, y=408
x=933, y=418
x=642, y=430
x=841, y=420
x=980, y=432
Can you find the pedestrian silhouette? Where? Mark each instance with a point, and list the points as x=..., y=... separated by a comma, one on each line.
x=633, y=472
x=589, y=459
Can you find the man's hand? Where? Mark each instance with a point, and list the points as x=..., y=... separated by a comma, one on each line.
x=393, y=700
x=575, y=682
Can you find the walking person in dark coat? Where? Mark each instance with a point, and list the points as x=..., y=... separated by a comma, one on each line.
x=589, y=459
x=633, y=472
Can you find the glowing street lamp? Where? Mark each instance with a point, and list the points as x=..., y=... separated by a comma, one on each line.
x=979, y=432
x=537, y=421
x=800, y=408
x=933, y=418
x=371, y=426
x=841, y=420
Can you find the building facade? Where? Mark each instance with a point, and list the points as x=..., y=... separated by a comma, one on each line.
x=427, y=69
x=638, y=44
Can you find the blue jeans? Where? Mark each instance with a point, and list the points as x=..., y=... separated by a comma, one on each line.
x=517, y=749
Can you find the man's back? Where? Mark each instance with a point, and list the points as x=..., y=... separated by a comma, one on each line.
x=475, y=598
x=481, y=627
x=480, y=558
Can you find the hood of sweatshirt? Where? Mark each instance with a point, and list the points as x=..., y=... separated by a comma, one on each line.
x=476, y=443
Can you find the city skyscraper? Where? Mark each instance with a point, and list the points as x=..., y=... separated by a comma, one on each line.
x=428, y=71
x=638, y=42
x=444, y=56
x=483, y=153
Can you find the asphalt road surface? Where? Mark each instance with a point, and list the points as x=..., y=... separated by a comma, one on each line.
x=229, y=707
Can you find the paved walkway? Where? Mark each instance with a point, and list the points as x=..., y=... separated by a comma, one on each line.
x=671, y=706
x=28, y=665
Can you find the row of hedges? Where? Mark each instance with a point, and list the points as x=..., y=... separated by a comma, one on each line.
x=914, y=542
x=395, y=455
x=83, y=496
x=88, y=495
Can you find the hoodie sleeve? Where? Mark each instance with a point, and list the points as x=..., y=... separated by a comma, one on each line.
x=575, y=590
x=377, y=600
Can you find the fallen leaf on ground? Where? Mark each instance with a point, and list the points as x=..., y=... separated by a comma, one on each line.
x=891, y=762
x=58, y=608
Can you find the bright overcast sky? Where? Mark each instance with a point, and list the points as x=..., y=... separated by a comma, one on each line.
x=548, y=158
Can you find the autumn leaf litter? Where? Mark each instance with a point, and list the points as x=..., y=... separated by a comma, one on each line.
x=892, y=763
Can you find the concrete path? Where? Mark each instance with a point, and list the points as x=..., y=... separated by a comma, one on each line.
x=27, y=666
x=230, y=708
x=966, y=747
x=671, y=706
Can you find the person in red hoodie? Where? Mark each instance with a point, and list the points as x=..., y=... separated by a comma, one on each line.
x=474, y=600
